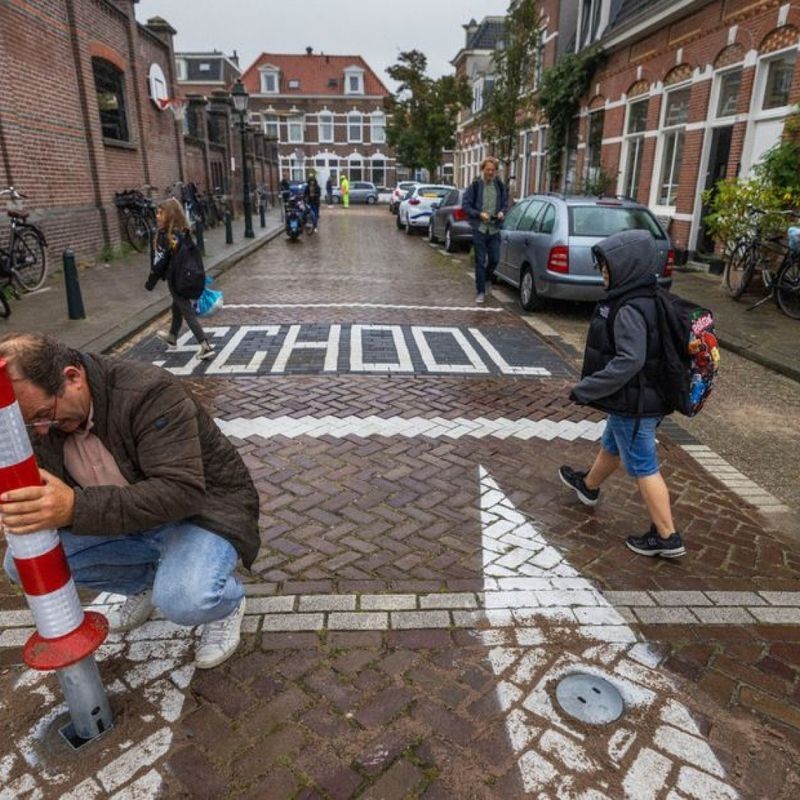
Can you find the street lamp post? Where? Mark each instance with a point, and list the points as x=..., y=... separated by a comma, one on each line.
x=240, y=100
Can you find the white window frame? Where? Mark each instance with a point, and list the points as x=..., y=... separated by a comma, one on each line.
x=354, y=72
x=293, y=121
x=353, y=115
x=181, y=69
x=325, y=118
x=272, y=125
x=477, y=95
x=377, y=127
x=628, y=139
x=716, y=91
x=352, y=159
x=658, y=166
x=275, y=75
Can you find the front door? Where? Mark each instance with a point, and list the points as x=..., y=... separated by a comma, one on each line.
x=717, y=169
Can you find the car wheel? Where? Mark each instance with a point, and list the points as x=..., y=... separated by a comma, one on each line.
x=409, y=227
x=449, y=244
x=431, y=235
x=528, y=298
x=371, y=200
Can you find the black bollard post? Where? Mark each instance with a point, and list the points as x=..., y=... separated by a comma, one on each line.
x=198, y=232
x=228, y=228
x=73, y=287
x=263, y=213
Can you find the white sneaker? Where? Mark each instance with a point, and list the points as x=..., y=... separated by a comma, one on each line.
x=219, y=639
x=205, y=351
x=479, y=298
x=135, y=611
x=167, y=337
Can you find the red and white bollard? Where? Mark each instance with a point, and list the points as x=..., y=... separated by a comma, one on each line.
x=65, y=637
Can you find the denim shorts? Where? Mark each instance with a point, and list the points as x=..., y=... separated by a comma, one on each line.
x=638, y=453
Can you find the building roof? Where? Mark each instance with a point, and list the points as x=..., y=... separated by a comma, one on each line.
x=315, y=73
x=489, y=32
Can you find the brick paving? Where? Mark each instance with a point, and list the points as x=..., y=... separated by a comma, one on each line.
x=416, y=598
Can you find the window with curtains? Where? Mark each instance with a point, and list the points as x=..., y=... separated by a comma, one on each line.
x=676, y=115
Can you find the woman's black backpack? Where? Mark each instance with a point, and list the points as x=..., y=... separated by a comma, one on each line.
x=188, y=272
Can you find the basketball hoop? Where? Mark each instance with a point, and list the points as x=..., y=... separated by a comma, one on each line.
x=175, y=104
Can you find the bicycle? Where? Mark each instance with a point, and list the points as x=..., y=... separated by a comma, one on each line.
x=760, y=252
x=23, y=262
x=751, y=251
x=138, y=215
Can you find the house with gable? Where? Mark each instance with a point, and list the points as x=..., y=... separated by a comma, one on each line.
x=327, y=113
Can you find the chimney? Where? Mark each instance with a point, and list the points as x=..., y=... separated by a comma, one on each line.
x=309, y=50
x=470, y=29
x=235, y=58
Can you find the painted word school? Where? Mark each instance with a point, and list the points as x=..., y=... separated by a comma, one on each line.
x=314, y=348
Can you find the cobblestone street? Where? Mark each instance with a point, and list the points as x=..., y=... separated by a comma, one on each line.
x=425, y=579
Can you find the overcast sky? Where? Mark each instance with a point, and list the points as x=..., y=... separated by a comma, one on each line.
x=378, y=30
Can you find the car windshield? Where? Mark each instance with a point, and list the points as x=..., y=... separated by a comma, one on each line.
x=433, y=192
x=406, y=186
x=597, y=220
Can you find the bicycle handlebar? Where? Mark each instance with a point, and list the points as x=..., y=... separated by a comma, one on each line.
x=13, y=193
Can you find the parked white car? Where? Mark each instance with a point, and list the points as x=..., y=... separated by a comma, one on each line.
x=415, y=211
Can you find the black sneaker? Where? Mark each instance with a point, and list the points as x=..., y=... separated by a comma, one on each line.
x=574, y=479
x=651, y=544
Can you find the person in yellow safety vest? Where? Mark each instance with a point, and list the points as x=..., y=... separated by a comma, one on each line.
x=345, y=186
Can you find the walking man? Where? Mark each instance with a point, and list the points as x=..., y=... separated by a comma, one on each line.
x=151, y=500
x=345, y=187
x=485, y=203
x=620, y=368
x=312, y=196
x=329, y=184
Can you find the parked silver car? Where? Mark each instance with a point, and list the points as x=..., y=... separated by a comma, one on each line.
x=360, y=192
x=546, y=242
x=450, y=224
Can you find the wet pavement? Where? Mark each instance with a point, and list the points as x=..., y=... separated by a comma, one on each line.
x=425, y=581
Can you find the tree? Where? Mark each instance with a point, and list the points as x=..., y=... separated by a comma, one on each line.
x=424, y=112
x=514, y=65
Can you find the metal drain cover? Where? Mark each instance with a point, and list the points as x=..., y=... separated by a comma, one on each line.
x=589, y=699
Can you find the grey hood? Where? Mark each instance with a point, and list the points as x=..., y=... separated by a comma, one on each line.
x=632, y=258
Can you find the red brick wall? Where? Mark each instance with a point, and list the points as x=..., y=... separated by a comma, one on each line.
x=51, y=130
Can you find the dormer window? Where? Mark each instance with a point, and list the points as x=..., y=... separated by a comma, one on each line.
x=269, y=81
x=354, y=80
x=591, y=15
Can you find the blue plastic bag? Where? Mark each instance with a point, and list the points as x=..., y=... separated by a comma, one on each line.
x=210, y=301
x=794, y=239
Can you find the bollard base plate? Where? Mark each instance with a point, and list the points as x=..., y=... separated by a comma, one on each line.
x=68, y=734
x=48, y=654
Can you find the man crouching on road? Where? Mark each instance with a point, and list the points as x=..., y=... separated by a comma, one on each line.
x=150, y=498
x=622, y=358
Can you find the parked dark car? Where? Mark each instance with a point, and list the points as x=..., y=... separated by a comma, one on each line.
x=449, y=223
x=546, y=242
x=360, y=192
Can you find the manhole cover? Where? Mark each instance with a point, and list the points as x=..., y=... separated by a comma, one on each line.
x=589, y=699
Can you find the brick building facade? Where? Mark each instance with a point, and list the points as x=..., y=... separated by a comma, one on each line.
x=76, y=119
x=691, y=91
x=326, y=113
x=80, y=119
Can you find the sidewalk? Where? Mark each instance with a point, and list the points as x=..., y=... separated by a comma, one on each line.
x=114, y=298
x=764, y=335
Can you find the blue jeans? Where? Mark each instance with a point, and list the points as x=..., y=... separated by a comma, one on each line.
x=189, y=569
x=313, y=209
x=638, y=453
x=486, y=247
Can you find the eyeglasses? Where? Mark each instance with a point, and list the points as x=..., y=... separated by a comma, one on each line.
x=47, y=420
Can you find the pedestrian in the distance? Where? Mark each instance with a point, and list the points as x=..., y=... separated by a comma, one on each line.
x=485, y=203
x=173, y=234
x=329, y=184
x=312, y=195
x=345, y=187
x=620, y=369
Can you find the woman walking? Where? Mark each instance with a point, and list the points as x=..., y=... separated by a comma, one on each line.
x=173, y=234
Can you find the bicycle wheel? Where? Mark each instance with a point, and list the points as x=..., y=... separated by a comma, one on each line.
x=29, y=259
x=739, y=269
x=136, y=231
x=787, y=287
